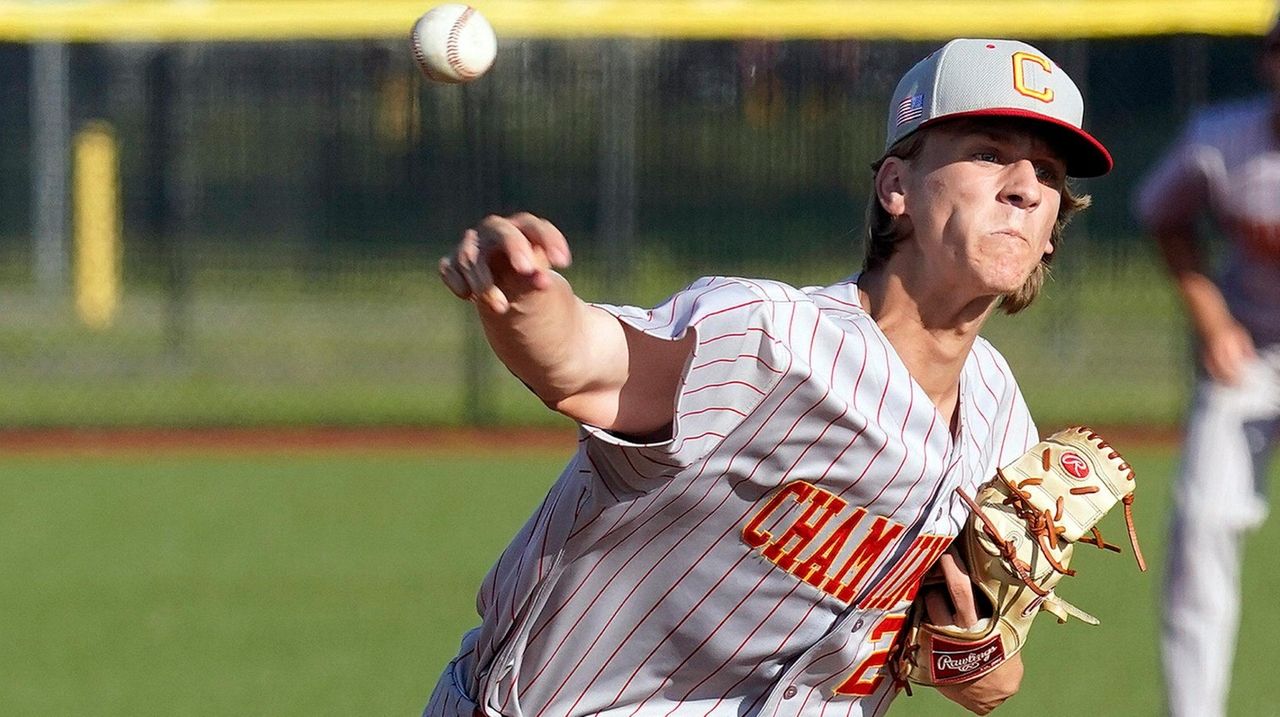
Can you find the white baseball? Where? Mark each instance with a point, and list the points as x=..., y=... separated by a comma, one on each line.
x=453, y=43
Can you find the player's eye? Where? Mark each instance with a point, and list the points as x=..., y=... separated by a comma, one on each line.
x=1048, y=173
x=986, y=156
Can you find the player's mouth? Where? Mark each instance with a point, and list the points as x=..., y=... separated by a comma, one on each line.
x=1012, y=233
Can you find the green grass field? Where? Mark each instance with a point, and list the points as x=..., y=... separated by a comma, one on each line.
x=338, y=584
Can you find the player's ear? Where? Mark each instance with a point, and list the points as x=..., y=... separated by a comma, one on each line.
x=890, y=185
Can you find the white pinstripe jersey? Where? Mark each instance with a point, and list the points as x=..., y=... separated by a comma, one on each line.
x=760, y=561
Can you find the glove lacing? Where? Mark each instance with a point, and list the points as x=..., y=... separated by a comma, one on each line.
x=1041, y=524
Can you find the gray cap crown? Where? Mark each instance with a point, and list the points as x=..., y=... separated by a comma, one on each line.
x=1002, y=78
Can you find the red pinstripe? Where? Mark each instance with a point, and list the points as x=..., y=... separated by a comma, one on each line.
x=857, y=382
x=586, y=579
x=902, y=438
x=693, y=300
x=727, y=309
x=680, y=446
x=723, y=383
x=842, y=302
x=977, y=406
x=924, y=467
x=744, y=678
x=492, y=647
x=711, y=673
x=652, y=516
x=835, y=361
x=920, y=510
x=497, y=570
x=876, y=455
x=737, y=334
x=812, y=688
x=886, y=695
x=733, y=525
x=713, y=408
x=641, y=663
x=690, y=532
x=622, y=516
x=644, y=453
x=1009, y=422
x=626, y=455
x=734, y=359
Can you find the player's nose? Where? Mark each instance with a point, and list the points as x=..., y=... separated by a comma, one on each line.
x=1020, y=185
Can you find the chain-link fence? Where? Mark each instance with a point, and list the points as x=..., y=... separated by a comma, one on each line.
x=283, y=205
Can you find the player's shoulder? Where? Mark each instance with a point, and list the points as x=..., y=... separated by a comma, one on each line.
x=747, y=288
x=840, y=295
x=1225, y=120
x=727, y=303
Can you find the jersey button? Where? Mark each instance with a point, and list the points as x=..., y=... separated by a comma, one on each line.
x=858, y=625
x=789, y=692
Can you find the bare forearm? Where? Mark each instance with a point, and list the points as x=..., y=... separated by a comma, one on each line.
x=578, y=359
x=1225, y=345
x=556, y=344
x=1200, y=295
x=1204, y=302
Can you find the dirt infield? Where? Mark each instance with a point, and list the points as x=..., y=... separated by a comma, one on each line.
x=95, y=441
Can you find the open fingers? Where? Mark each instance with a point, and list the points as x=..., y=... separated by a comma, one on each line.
x=453, y=269
x=522, y=245
x=472, y=263
x=452, y=278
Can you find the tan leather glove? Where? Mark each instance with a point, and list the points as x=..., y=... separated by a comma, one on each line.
x=1017, y=545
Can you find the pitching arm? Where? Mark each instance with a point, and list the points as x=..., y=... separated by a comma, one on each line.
x=579, y=360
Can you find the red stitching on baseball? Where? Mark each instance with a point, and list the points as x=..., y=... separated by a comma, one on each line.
x=420, y=56
x=451, y=53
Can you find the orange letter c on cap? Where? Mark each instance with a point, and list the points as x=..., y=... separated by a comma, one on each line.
x=1020, y=82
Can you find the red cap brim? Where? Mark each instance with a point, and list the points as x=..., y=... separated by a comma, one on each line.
x=1084, y=155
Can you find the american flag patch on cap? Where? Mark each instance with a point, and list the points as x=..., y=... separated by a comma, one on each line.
x=910, y=108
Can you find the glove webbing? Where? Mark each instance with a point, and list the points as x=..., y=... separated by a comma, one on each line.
x=1007, y=551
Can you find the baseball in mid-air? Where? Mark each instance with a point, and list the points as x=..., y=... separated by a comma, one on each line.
x=453, y=43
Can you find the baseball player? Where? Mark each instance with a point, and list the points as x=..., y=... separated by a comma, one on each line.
x=764, y=473
x=1227, y=163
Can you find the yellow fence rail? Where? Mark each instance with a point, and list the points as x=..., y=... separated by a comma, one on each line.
x=227, y=20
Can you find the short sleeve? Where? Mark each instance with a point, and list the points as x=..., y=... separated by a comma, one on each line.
x=1176, y=190
x=736, y=360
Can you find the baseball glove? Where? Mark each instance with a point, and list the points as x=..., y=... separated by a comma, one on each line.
x=1017, y=545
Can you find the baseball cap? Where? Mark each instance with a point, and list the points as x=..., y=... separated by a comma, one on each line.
x=997, y=78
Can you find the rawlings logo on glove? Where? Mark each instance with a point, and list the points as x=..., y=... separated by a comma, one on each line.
x=1017, y=545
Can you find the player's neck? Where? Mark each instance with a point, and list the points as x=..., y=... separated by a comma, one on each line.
x=933, y=345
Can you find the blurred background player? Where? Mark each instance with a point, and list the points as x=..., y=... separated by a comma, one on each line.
x=1226, y=164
